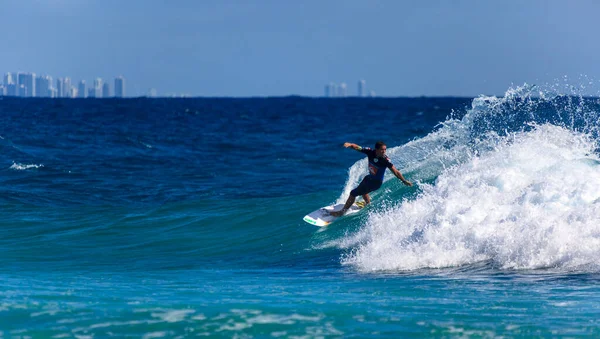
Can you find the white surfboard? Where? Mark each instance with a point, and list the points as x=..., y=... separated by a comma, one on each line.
x=322, y=218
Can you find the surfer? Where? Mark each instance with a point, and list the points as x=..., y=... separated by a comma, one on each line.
x=378, y=162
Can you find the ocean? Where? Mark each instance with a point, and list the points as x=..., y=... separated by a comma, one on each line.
x=182, y=217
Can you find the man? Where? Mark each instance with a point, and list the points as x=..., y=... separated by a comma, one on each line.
x=378, y=162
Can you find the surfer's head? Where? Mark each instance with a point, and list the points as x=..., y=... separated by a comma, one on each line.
x=380, y=148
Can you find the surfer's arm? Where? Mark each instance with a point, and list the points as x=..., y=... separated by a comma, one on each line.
x=399, y=176
x=353, y=146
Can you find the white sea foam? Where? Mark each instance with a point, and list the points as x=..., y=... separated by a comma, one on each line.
x=22, y=167
x=158, y=334
x=530, y=201
x=172, y=316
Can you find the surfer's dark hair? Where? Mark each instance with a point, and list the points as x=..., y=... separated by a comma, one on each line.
x=379, y=144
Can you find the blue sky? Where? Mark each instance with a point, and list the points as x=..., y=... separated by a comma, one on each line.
x=274, y=48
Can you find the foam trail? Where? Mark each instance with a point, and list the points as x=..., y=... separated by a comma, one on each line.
x=532, y=202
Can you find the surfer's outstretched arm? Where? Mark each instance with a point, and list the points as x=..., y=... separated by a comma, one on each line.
x=399, y=176
x=353, y=146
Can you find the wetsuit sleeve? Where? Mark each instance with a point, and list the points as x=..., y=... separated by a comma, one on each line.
x=365, y=150
x=389, y=163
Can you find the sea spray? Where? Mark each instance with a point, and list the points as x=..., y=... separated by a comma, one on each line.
x=516, y=186
x=501, y=207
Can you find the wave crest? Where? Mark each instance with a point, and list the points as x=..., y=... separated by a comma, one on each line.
x=515, y=182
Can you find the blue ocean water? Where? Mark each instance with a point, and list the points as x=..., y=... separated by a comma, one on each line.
x=174, y=218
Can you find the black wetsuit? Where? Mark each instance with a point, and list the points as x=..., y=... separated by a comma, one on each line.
x=377, y=168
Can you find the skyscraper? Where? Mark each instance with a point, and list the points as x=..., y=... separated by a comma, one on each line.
x=60, y=88
x=43, y=86
x=66, y=87
x=39, y=87
x=342, y=90
x=119, y=87
x=9, y=79
x=98, y=88
x=26, y=84
x=81, y=91
x=331, y=90
x=22, y=91
x=11, y=90
x=10, y=82
x=106, y=90
x=362, y=88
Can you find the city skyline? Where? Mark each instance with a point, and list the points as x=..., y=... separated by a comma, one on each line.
x=29, y=84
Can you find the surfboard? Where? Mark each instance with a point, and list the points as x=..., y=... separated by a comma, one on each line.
x=322, y=218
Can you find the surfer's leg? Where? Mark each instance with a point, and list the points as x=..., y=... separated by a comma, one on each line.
x=363, y=188
x=366, y=198
x=347, y=205
x=349, y=202
x=373, y=186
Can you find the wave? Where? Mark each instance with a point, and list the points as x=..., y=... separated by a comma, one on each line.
x=248, y=233
x=515, y=183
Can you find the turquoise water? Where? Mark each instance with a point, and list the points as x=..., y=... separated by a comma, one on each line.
x=167, y=218
x=284, y=303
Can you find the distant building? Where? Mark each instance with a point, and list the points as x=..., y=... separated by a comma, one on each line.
x=11, y=90
x=22, y=92
x=331, y=90
x=73, y=92
x=10, y=83
x=152, y=93
x=43, y=86
x=81, y=91
x=9, y=79
x=2, y=90
x=119, y=87
x=60, y=88
x=66, y=88
x=26, y=84
x=39, y=87
x=48, y=86
x=91, y=93
x=343, y=90
x=334, y=89
x=105, y=90
x=362, y=88
x=97, y=88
